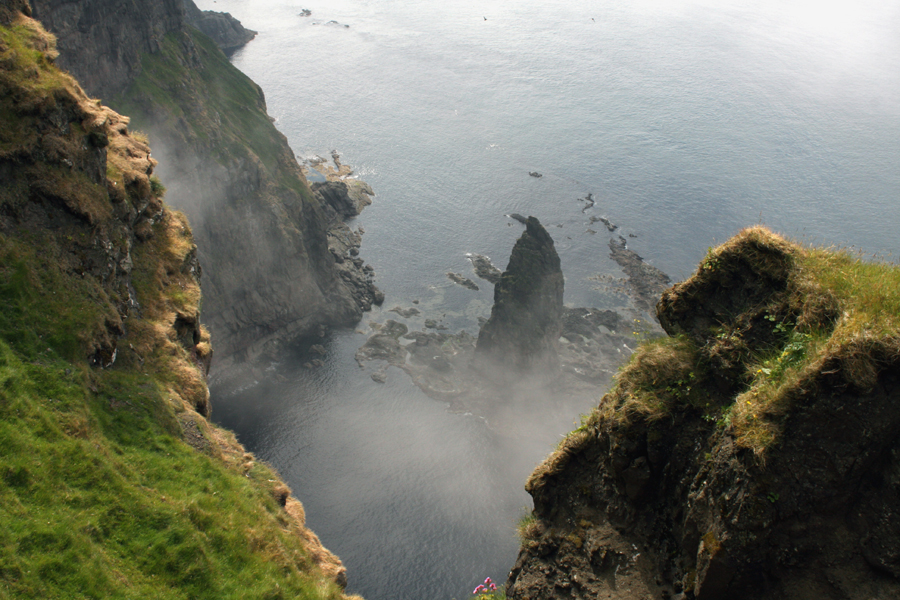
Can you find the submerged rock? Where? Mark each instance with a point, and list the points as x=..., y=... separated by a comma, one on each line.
x=406, y=313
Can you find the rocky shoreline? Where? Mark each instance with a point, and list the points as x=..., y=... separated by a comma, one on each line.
x=583, y=348
x=343, y=197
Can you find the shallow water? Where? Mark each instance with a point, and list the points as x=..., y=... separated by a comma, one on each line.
x=686, y=120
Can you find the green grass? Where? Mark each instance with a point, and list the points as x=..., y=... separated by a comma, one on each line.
x=101, y=499
x=836, y=309
x=45, y=313
x=100, y=496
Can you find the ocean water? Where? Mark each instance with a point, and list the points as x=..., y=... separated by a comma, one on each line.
x=686, y=121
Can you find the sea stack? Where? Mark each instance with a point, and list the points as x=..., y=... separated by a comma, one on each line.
x=526, y=319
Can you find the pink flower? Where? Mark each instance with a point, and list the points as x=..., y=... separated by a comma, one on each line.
x=478, y=590
x=487, y=581
x=493, y=587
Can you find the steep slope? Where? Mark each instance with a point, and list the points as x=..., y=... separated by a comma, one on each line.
x=752, y=454
x=112, y=482
x=269, y=273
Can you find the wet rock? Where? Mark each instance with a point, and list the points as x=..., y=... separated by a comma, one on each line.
x=463, y=281
x=588, y=203
x=484, y=268
x=609, y=225
x=535, y=174
x=645, y=282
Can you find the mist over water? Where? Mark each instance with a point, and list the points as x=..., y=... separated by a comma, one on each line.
x=686, y=120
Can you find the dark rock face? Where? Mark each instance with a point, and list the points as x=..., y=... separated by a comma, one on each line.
x=526, y=319
x=638, y=507
x=346, y=198
x=101, y=42
x=226, y=31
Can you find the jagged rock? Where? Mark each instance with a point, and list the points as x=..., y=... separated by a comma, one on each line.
x=484, y=268
x=526, y=319
x=609, y=225
x=588, y=203
x=346, y=197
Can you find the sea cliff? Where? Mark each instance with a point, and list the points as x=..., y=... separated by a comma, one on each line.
x=750, y=454
x=262, y=234
x=112, y=481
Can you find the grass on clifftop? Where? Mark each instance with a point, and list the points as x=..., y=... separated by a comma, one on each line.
x=838, y=313
x=111, y=485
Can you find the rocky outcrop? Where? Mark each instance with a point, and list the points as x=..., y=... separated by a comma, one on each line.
x=226, y=31
x=751, y=455
x=643, y=283
x=270, y=272
x=526, y=319
x=484, y=268
x=344, y=197
x=77, y=179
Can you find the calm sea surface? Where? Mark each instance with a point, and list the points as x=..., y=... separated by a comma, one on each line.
x=685, y=120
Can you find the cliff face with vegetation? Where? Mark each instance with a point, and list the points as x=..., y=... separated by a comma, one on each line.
x=751, y=454
x=112, y=481
x=269, y=274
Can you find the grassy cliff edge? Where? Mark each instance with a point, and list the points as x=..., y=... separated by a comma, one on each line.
x=112, y=482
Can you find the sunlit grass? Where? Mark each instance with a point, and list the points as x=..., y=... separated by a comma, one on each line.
x=838, y=312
